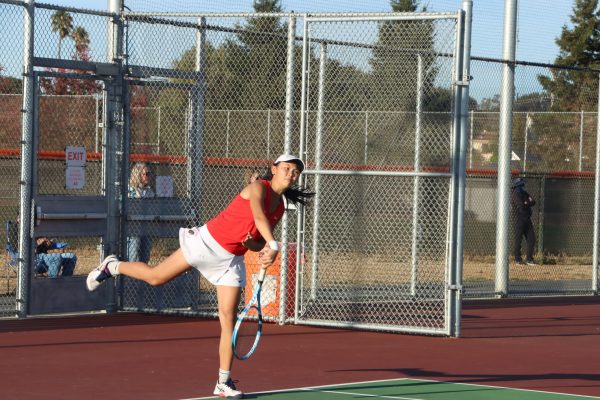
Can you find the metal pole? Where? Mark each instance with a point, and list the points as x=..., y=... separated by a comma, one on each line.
x=158, y=140
x=580, y=140
x=416, y=185
x=453, y=186
x=268, y=134
x=289, y=116
x=541, y=212
x=112, y=155
x=302, y=155
x=366, y=135
x=527, y=122
x=114, y=6
x=456, y=273
x=27, y=156
x=318, y=145
x=97, y=96
x=197, y=117
x=596, y=201
x=227, y=135
x=471, y=141
x=504, y=147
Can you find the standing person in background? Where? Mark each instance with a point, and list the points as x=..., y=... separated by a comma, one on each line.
x=522, y=203
x=138, y=247
x=217, y=250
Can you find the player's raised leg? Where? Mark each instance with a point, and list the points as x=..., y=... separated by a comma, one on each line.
x=171, y=267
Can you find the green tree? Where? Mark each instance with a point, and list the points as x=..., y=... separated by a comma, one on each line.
x=82, y=43
x=261, y=58
x=400, y=46
x=579, y=47
x=395, y=60
x=62, y=23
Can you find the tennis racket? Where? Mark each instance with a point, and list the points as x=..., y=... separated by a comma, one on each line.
x=246, y=333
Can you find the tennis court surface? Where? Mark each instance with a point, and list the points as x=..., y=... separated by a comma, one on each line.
x=509, y=349
x=407, y=389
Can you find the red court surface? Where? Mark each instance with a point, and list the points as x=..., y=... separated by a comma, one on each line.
x=529, y=344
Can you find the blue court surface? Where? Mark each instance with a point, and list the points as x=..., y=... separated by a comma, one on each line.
x=408, y=389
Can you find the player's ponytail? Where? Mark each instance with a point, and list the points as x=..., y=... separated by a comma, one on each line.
x=295, y=194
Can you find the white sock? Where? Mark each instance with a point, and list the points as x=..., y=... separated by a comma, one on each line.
x=113, y=267
x=224, y=375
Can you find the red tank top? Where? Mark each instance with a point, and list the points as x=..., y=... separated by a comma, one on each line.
x=231, y=226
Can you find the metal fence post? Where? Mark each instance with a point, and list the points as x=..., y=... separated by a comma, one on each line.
x=527, y=119
x=318, y=149
x=27, y=155
x=580, y=140
x=367, y=135
x=471, y=140
x=289, y=115
x=112, y=155
x=98, y=124
x=596, y=201
x=269, y=134
x=158, y=127
x=302, y=155
x=505, y=146
x=416, y=185
x=460, y=173
x=197, y=120
x=227, y=134
x=541, y=210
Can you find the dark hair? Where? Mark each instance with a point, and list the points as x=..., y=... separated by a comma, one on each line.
x=296, y=194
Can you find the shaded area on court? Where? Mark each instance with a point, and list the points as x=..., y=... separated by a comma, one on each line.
x=548, y=345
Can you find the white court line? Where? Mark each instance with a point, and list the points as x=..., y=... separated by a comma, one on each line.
x=316, y=388
x=361, y=394
x=507, y=388
x=307, y=388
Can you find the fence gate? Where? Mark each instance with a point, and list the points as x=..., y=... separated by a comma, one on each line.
x=74, y=175
x=153, y=217
x=379, y=124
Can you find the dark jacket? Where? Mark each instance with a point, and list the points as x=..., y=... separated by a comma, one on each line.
x=522, y=203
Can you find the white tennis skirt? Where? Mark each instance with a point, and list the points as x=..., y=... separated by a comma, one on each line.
x=216, y=264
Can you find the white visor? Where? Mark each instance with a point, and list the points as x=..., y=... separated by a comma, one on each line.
x=290, y=158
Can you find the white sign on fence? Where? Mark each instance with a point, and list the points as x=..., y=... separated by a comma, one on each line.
x=75, y=177
x=75, y=156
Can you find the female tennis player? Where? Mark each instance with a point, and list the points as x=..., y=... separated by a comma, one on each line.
x=217, y=250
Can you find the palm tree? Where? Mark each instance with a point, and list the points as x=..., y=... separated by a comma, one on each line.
x=82, y=42
x=62, y=22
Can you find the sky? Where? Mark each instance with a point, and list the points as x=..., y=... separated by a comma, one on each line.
x=536, y=33
x=536, y=30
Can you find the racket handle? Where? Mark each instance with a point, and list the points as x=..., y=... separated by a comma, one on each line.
x=261, y=274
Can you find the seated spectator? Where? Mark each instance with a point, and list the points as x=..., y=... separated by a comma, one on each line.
x=51, y=264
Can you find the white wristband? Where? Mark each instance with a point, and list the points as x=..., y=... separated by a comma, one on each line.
x=274, y=245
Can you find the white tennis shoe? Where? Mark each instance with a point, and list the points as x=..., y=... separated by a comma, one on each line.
x=227, y=390
x=100, y=273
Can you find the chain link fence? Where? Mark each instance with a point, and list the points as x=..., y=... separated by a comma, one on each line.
x=376, y=238
x=553, y=147
x=205, y=106
x=11, y=56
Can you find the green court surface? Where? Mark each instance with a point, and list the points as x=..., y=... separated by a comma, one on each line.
x=408, y=389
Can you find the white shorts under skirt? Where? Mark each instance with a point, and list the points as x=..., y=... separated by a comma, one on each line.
x=216, y=264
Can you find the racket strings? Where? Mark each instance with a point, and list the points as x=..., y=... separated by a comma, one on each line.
x=246, y=334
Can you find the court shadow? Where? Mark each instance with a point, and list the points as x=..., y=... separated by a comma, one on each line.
x=419, y=373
